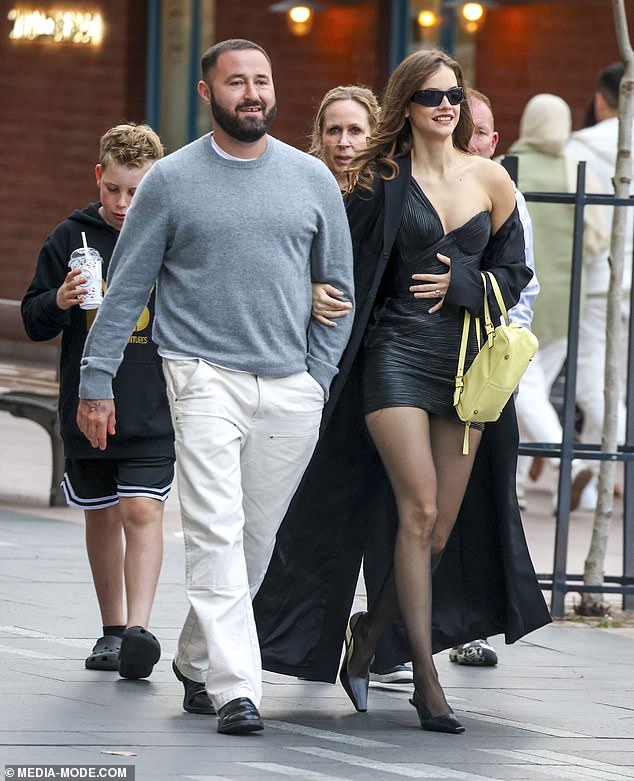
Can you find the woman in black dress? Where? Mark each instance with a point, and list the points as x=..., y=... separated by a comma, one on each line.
x=455, y=201
x=425, y=217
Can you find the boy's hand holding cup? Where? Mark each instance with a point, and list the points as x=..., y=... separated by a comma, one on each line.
x=88, y=261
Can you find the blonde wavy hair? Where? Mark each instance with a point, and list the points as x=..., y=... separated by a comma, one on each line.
x=393, y=135
x=130, y=145
x=362, y=95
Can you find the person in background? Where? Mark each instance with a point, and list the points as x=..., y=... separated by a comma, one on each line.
x=247, y=367
x=484, y=143
x=598, y=145
x=480, y=653
x=544, y=166
x=121, y=489
x=347, y=116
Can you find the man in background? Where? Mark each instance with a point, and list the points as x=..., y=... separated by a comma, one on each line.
x=598, y=146
x=483, y=142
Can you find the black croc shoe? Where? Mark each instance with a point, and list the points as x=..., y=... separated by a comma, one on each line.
x=105, y=654
x=140, y=651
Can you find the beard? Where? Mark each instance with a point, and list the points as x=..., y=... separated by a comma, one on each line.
x=243, y=128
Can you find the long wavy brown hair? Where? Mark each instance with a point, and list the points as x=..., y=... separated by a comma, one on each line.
x=393, y=135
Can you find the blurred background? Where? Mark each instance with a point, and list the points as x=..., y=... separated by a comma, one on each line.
x=71, y=69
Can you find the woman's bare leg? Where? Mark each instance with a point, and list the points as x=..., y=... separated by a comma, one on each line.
x=424, y=461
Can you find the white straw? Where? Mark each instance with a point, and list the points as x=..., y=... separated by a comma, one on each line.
x=83, y=238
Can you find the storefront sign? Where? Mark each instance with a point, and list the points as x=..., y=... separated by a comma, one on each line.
x=57, y=26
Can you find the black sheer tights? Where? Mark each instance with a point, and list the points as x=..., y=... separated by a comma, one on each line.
x=423, y=458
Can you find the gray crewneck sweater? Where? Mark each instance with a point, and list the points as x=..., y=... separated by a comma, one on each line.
x=232, y=247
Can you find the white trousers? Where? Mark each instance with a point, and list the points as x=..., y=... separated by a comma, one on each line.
x=591, y=370
x=242, y=444
x=536, y=417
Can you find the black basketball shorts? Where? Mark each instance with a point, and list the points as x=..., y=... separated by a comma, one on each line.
x=95, y=483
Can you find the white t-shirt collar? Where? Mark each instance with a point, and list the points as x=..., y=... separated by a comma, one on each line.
x=226, y=155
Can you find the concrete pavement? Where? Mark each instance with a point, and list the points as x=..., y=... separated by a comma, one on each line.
x=560, y=704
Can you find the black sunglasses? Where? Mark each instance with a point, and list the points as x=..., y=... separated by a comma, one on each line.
x=434, y=97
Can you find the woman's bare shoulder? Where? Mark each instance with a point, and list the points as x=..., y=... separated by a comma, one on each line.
x=490, y=171
x=496, y=181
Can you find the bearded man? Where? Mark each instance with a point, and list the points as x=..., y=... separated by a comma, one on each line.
x=232, y=229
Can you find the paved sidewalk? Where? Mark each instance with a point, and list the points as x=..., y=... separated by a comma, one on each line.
x=559, y=705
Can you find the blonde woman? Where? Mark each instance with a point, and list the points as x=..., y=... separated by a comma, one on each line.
x=345, y=119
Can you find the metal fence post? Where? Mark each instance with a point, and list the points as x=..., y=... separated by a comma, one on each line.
x=563, y=497
x=560, y=581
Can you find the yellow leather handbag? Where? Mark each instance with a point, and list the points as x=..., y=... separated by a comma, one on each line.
x=482, y=392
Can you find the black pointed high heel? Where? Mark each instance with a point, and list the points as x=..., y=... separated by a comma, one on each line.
x=356, y=687
x=448, y=723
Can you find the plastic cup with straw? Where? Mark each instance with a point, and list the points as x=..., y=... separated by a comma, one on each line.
x=89, y=261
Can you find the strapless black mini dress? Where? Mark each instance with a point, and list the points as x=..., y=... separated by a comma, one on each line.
x=410, y=356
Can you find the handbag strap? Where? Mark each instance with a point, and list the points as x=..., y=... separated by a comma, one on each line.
x=462, y=355
x=488, y=324
x=489, y=330
x=490, y=334
x=498, y=296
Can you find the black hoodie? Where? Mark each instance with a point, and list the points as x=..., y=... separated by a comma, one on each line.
x=144, y=427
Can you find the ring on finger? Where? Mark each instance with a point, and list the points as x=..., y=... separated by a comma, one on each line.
x=437, y=292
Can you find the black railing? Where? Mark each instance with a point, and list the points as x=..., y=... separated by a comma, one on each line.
x=559, y=582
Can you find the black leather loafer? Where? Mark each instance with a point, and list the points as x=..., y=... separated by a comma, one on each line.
x=239, y=716
x=196, y=699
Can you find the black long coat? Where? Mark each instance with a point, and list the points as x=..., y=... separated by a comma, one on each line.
x=485, y=584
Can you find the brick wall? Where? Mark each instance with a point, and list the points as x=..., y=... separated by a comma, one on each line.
x=556, y=47
x=553, y=46
x=347, y=45
x=55, y=102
